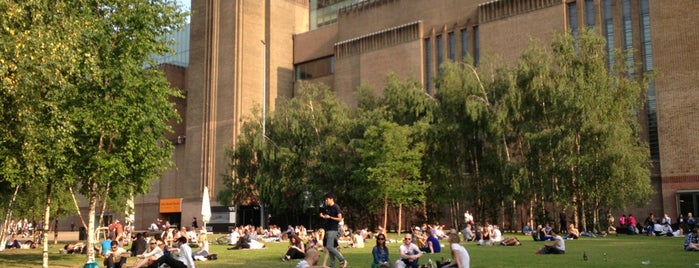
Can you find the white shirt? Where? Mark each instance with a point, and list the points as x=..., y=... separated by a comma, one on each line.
x=560, y=243
x=185, y=256
x=407, y=251
x=497, y=235
x=463, y=255
x=156, y=252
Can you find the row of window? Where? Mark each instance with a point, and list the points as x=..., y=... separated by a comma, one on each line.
x=607, y=7
x=495, y=10
x=451, y=49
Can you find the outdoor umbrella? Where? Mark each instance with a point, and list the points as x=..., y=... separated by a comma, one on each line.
x=205, y=207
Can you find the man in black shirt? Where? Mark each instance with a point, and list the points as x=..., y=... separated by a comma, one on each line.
x=333, y=217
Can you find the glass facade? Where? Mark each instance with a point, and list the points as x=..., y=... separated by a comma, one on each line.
x=627, y=34
x=609, y=32
x=464, y=43
x=428, y=65
x=324, y=12
x=651, y=109
x=573, y=19
x=315, y=68
x=452, y=46
x=590, y=13
x=476, y=46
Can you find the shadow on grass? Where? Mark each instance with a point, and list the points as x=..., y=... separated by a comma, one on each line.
x=33, y=258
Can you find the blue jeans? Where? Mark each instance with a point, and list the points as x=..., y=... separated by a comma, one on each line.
x=329, y=243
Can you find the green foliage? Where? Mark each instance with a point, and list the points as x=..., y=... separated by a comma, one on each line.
x=557, y=127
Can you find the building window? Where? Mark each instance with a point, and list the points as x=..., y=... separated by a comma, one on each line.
x=452, y=46
x=628, y=35
x=439, y=46
x=476, y=46
x=573, y=19
x=647, y=51
x=590, y=13
x=315, y=68
x=428, y=65
x=609, y=32
x=688, y=201
x=464, y=43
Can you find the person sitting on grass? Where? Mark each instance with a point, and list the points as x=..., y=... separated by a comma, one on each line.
x=380, y=252
x=573, y=232
x=461, y=257
x=432, y=245
x=203, y=252
x=151, y=255
x=116, y=257
x=182, y=260
x=409, y=253
x=13, y=242
x=296, y=249
x=543, y=234
x=311, y=260
x=691, y=243
x=557, y=247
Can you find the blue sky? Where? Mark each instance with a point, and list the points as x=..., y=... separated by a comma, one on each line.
x=187, y=4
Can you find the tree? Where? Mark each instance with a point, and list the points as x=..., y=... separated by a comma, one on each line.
x=390, y=162
x=123, y=106
x=582, y=132
x=37, y=43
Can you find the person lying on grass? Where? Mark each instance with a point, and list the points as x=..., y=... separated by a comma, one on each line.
x=311, y=260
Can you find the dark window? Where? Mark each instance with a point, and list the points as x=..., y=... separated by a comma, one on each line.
x=628, y=35
x=590, y=13
x=428, y=65
x=315, y=68
x=464, y=43
x=452, y=46
x=647, y=51
x=476, y=46
x=609, y=32
x=573, y=19
x=440, y=50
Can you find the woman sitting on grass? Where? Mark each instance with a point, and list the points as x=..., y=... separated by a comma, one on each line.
x=461, y=257
x=296, y=249
x=151, y=255
x=380, y=252
x=573, y=232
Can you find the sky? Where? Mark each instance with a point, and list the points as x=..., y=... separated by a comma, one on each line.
x=187, y=4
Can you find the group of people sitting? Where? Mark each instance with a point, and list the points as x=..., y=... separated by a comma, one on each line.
x=488, y=235
x=244, y=237
x=153, y=252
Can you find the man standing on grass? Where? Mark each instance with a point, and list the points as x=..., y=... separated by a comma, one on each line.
x=333, y=217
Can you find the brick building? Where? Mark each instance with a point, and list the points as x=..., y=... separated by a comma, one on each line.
x=250, y=52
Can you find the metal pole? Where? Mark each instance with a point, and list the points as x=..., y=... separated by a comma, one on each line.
x=264, y=118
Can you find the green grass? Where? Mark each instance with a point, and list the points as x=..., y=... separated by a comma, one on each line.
x=622, y=251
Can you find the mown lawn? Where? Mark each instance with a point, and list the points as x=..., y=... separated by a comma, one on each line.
x=621, y=251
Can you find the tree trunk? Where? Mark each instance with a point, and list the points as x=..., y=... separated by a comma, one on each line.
x=92, y=202
x=400, y=217
x=77, y=207
x=582, y=213
x=385, y=213
x=8, y=217
x=46, y=224
x=55, y=231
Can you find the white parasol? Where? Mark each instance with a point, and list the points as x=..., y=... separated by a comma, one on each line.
x=205, y=207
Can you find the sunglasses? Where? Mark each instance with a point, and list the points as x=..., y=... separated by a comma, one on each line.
x=381, y=239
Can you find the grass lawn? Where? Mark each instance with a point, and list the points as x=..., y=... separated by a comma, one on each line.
x=621, y=251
